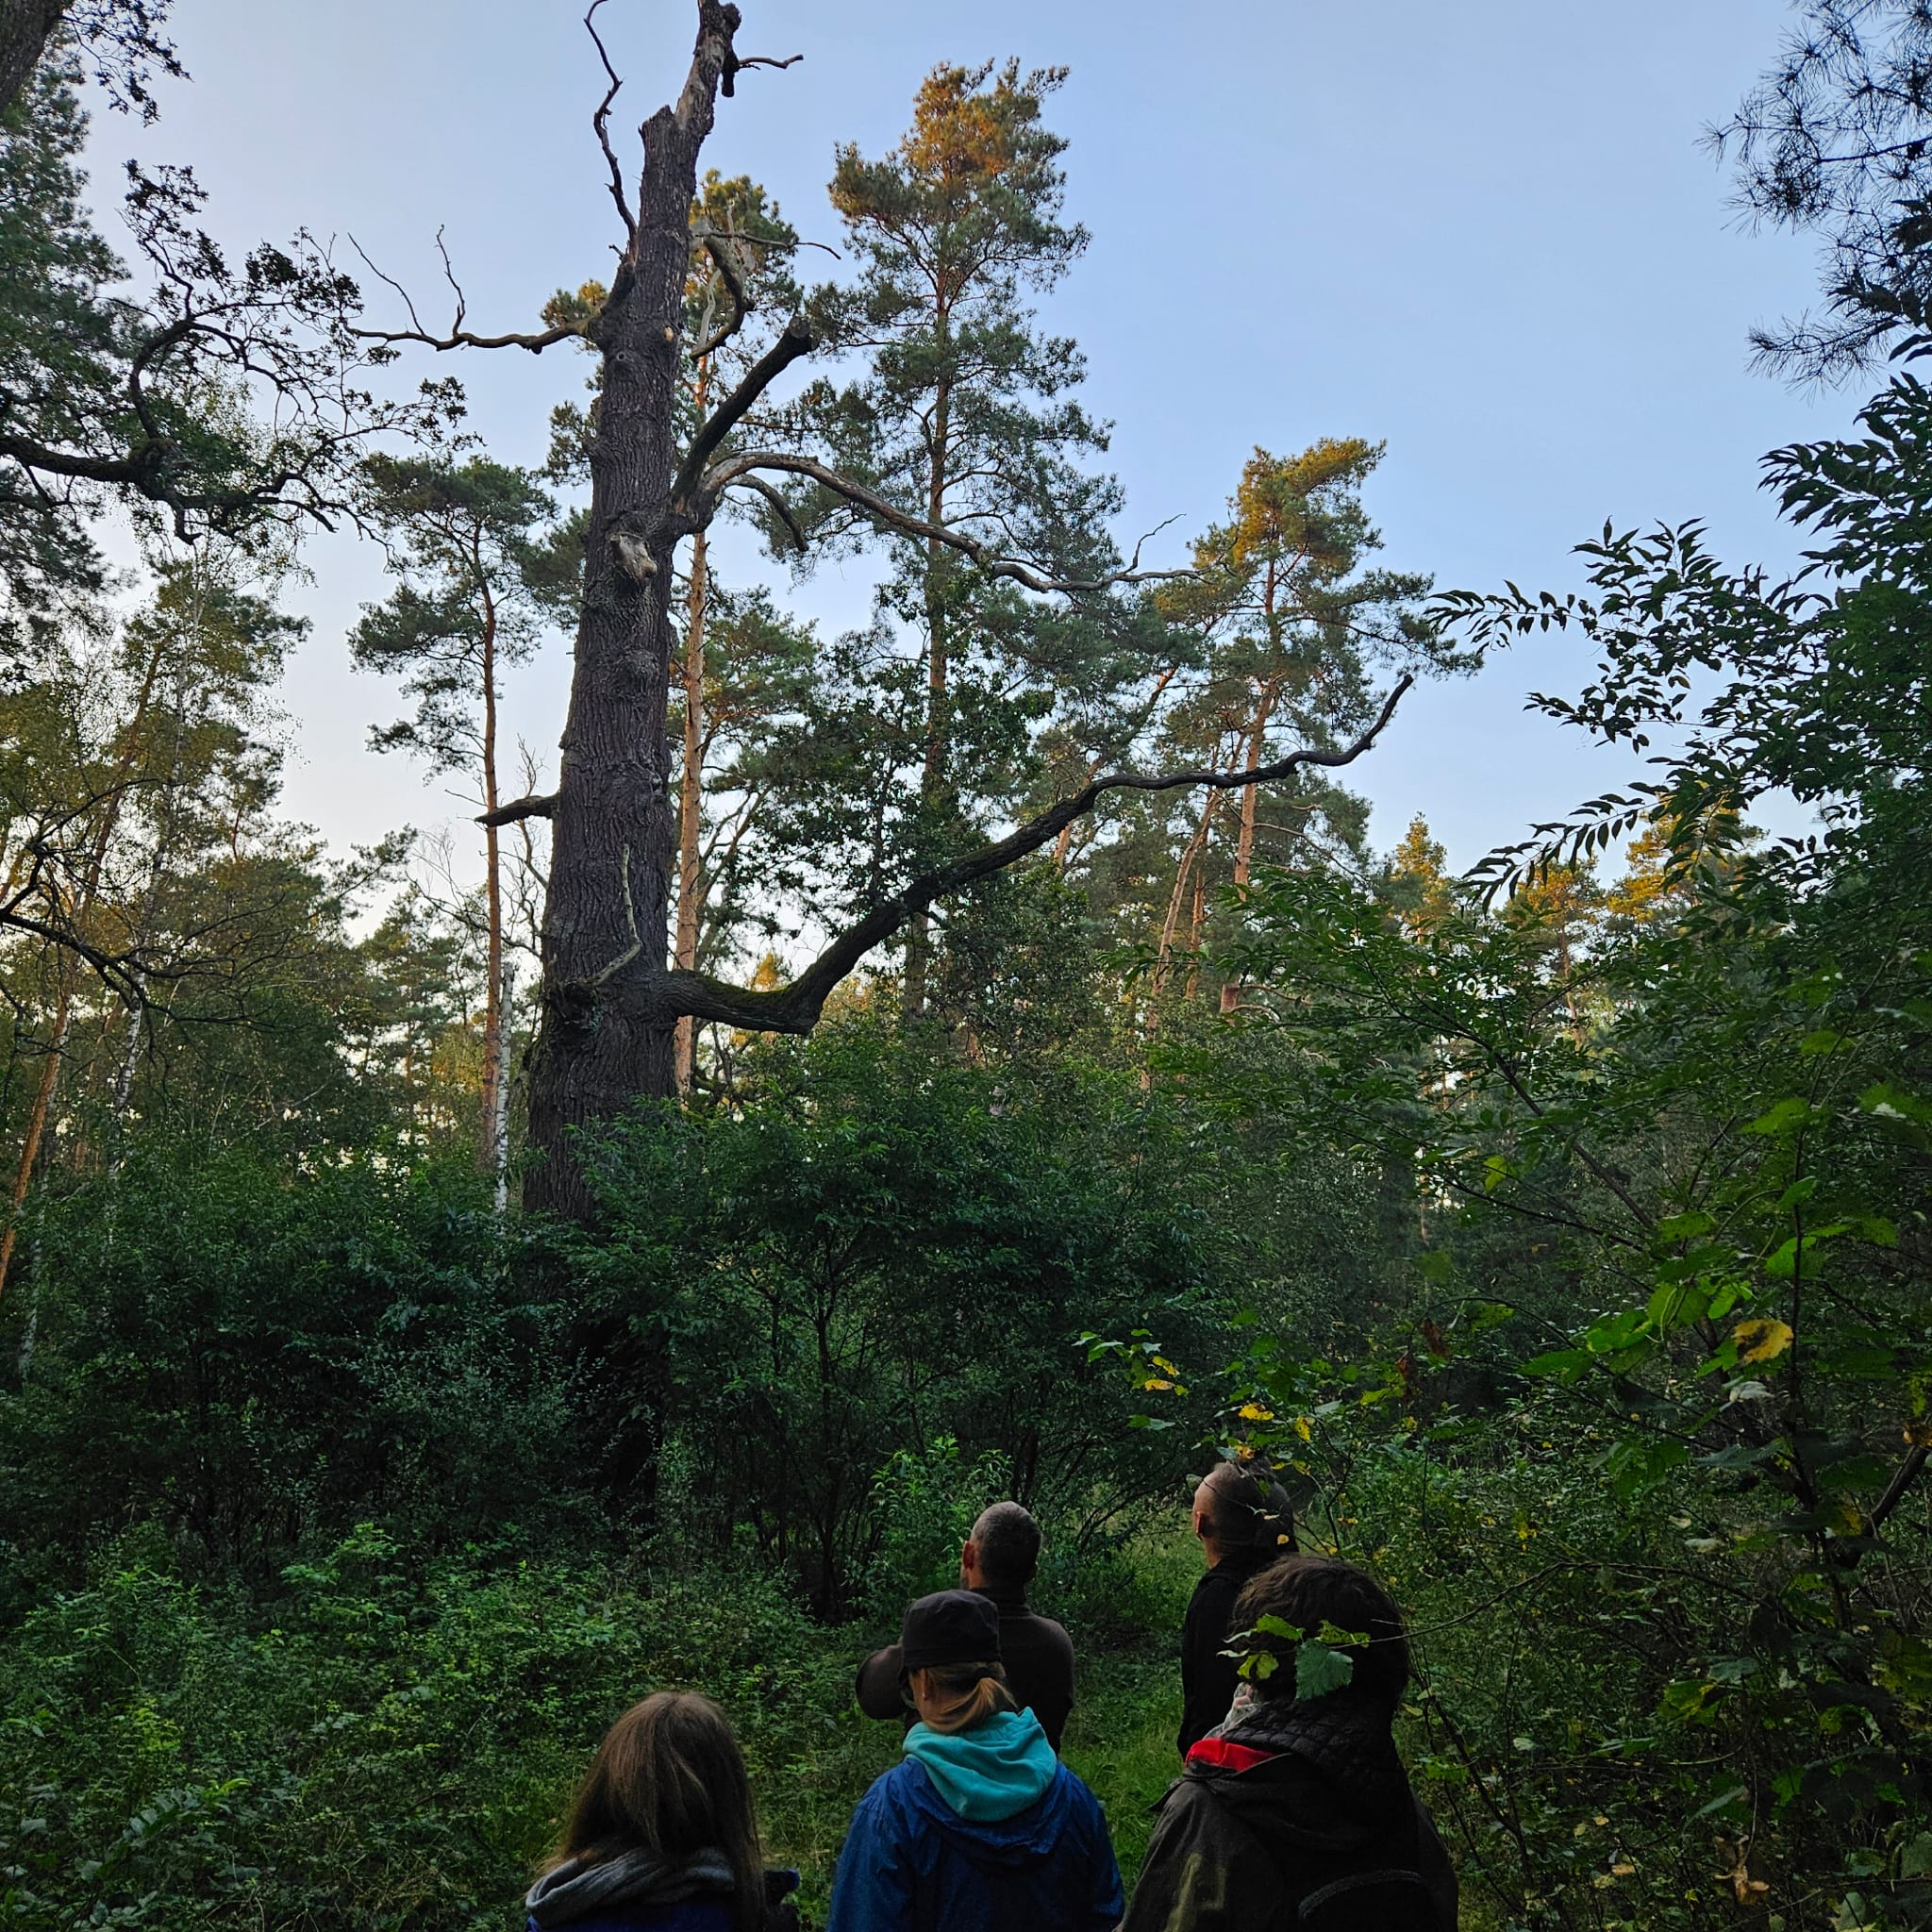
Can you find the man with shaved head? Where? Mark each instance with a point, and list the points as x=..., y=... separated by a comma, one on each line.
x=997, y=1560
x=1245, y=1523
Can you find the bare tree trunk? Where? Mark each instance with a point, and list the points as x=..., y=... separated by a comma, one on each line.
x=691, y=795
x=606, y=1036
x=611, y=1000
x=124, y=1079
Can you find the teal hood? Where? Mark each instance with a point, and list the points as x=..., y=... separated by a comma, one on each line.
x=994, y=1771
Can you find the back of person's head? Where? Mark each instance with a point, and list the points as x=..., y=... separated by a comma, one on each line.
x=1007, y=1541
x=1246, y=1510
x=1309, y=1591
x=958, y=1696
x=670, y=1779
x=949, y=1644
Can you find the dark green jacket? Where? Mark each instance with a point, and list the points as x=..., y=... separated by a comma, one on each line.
x=1276, y=1826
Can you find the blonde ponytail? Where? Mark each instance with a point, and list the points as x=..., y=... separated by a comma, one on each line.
x=966, y=1695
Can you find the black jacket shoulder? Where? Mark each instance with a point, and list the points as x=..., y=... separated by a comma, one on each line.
x=1213, y=1865
x=1208, y=1678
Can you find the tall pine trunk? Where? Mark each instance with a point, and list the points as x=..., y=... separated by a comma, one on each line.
x=604, y=1041
x=932, y=784
x=1244, y=838
x=691, y=796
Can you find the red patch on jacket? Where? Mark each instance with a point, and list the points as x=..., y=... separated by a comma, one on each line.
x=1227, y=1753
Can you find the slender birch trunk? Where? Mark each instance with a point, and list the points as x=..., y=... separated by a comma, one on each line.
x=491, y=1149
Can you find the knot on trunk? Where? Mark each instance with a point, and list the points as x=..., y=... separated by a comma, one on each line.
x=630, y=549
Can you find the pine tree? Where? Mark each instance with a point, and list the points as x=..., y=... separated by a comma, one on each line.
x=464, y=538
x=964, y=417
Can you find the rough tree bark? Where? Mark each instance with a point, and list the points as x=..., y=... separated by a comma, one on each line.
x=606, y=1039
x=933, y=777
x=26, y=27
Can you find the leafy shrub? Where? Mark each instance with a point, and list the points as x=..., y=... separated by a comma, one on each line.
x=880, y=1251
x=251, y=1357
x=394, y=1749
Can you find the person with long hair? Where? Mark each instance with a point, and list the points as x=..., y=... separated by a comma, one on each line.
x=662, y=1836
x=1296, y=1810
x=979, y=1827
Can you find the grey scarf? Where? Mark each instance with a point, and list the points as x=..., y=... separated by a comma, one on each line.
x=577, y=1889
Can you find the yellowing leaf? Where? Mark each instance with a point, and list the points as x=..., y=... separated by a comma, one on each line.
x=1157, y=1382
x=1761, y=1340
x=1254, y=1412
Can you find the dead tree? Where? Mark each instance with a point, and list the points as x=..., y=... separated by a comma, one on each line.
x=611, y=999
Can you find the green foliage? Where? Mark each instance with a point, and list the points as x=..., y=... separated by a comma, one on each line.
x=392, y=1745
x=144, y=396
x=465, y=537
x=56, y=334
x=248, y=1358
x=1576, y=1227
x=893, y=1250
x=1658, y=1405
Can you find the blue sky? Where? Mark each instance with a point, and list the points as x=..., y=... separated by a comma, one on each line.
x=1485, y=233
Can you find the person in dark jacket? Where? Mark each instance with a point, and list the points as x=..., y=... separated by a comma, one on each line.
x=979, y=1829
x=998, y=1561
x=1297, y=1813
x=1244, y=1522
x=662, y=1836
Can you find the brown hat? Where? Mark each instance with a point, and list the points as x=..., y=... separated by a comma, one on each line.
x=951, y=1627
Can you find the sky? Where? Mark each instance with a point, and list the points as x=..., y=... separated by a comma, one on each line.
x=1486, y=234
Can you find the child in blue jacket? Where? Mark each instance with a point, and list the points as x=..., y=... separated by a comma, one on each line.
x=980, y=1828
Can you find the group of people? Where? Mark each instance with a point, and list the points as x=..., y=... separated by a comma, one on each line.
x=1289, y=1810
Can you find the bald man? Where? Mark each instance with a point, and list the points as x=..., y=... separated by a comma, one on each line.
x=998, y=1561
x=1244, y=1522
